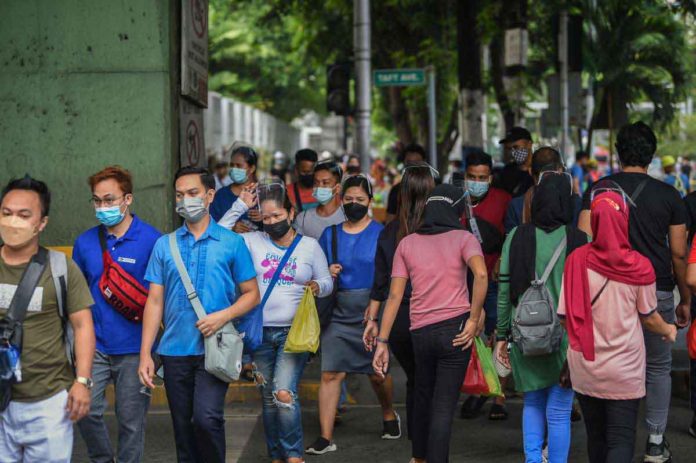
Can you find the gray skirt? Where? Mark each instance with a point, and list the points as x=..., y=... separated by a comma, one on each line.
x=342, y=348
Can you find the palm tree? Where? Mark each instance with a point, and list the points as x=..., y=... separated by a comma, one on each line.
x=634, y=50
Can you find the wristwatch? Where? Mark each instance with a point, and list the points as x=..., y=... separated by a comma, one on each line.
x=370, y=318
x=382, y=340
x=86, y=382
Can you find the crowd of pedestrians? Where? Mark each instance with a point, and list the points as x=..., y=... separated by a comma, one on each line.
x=570, y=282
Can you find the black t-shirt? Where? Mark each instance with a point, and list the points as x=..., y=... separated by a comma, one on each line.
x=657, y=208
x=513, y=180
x=393, y=201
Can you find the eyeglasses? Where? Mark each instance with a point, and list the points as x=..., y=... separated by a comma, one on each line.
x=106, y=202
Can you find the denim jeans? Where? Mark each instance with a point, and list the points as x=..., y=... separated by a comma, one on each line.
x=544, y=409
x=281, y=371
x=36, y=431
x=611, y=428
x=196, y=402
x=658, y=379
x=440, y=370
x=131, y=410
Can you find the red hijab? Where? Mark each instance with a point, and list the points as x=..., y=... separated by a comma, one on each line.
x=610, y=254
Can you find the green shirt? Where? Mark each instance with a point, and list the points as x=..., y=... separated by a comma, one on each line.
x=533, y=373
x=45, y=367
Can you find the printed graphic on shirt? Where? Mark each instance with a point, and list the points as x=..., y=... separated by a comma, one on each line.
x=7, y=292
x=287, y=276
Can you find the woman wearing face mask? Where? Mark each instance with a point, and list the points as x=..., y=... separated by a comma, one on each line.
x=342, y=348
x=417, y=183
x=243, y=164
x=527, y=253
x=279, y=372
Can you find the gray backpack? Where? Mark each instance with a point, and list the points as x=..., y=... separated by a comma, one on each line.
x=536, y=329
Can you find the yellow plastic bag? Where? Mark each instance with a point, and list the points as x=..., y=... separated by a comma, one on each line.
x=304, y=332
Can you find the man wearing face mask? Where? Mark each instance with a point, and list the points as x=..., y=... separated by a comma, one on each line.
x=113, y=257
x=327, y=189
x=47, y=395
x=515, y=177
x=300, y=192
x=484, y=217
x=218, y=263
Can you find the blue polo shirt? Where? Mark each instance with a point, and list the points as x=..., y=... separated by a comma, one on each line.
x=115, y=334
x=216, y=263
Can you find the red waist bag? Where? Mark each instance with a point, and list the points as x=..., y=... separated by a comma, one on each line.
x=122, y=291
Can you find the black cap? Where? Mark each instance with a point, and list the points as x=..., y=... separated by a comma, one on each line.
x=516, y=133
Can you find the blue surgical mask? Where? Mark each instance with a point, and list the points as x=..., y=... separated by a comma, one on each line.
x=110, y=216
x=238, y=175
x=477, y=189
x=323, y=194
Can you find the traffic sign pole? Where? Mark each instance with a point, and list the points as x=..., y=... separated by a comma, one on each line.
x=432, y=115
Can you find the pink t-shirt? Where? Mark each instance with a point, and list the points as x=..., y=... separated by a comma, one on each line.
x=618, y=371
x=436, y=266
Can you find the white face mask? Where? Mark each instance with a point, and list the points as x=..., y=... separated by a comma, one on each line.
x=192, y=209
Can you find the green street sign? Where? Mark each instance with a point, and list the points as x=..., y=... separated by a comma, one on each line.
x=399, y=77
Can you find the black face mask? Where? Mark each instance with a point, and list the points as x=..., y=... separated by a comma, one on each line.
x=307, y=181
x=354, y=211
x=277, y=230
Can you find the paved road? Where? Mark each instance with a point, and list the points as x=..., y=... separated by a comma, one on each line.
x=358, y=438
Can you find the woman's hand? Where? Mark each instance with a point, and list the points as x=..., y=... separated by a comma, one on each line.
x=466, y=338
x=481, y=324
x=335, y=270
x=255, y=215
x=380, y=362
x=314, y=286
x=369, y=335
x=240, y=227
x=501, y=353
x=248, y=195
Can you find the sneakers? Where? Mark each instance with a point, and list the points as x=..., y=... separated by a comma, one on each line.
x=321, y=446
x=658, y=453
x=692, y=428
x=392, y=429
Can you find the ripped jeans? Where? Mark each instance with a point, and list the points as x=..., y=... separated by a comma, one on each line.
x=278, y=374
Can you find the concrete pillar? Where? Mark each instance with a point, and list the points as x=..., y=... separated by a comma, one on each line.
x=84, y=85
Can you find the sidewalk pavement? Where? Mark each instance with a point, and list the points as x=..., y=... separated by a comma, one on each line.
x=473, y=441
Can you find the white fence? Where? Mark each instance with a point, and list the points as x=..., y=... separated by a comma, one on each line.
x=226, y=121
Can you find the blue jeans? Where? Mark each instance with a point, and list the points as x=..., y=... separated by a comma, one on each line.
x=281, y=372
x=196, y=402
x=131, y=410
x=547, y=407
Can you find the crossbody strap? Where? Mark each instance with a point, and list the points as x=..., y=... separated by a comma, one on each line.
x=334, y=250
x=599, y=293
x=638, y=191
x=185, y=278
x=279, y=270
x=19, y=304
x=552, y=263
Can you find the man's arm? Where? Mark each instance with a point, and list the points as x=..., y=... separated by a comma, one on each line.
x=677, y=244
x=248, y=299
x=79, y=397
x=152, y=317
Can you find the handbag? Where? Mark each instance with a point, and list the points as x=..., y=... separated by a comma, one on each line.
x=121, y=290
x=326, y=305
x=11, y=325
x=223, y=350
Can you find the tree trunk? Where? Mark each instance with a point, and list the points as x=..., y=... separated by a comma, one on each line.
x=469, y=73
x=497, y=70
x=450, y=137
x=400, y=115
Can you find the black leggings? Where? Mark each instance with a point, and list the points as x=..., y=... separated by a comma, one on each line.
x=611, y=428
x=402, y=348
x=440, y=370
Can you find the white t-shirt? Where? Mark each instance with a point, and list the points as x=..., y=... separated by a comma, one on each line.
x=309, y=223
x=306, y=263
